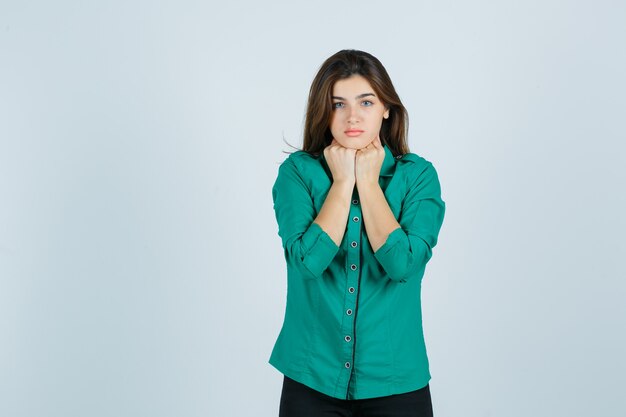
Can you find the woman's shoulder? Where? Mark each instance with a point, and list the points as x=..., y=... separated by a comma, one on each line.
x=302, y=159
x=412, y=164
x=419, y=174
x=303, y=163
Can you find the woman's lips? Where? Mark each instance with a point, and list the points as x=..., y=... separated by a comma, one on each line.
x=353, y=132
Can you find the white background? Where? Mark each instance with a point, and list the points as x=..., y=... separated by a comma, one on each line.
x=140, y=269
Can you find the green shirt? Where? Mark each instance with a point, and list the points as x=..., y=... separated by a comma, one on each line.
x=353, y=321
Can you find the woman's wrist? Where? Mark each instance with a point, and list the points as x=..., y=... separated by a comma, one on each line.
x=367, y=184
x=344, y=184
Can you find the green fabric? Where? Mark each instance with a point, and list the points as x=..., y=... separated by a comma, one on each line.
x=334, y=292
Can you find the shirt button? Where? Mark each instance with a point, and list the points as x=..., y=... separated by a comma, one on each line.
x=353, y=244
x=349, y=311
x=398, y=156
x=347, y=365
x=353, y=267
x=355, y=201
x=355, y=219
x=348, y=338
x=351, y=290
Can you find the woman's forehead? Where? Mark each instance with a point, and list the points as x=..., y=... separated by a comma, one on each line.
x=352, y=87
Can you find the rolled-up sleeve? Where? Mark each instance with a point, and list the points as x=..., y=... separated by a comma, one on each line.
x=408, y=248
x=307, y=246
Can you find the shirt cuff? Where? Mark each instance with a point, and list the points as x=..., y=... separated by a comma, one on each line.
x=318, y=249
x=393, y=255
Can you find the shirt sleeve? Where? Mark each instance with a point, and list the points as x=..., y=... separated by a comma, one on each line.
x=307, y=246
x=409, y=247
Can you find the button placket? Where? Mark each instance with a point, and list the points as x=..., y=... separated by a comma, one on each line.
x=353, y=264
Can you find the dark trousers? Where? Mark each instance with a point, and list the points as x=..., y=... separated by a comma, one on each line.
x=298, y=400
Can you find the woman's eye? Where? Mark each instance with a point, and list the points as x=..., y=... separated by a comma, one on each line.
x=337, y=105
x=367, y=103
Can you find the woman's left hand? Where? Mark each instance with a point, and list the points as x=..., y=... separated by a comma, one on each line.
x=369, y=160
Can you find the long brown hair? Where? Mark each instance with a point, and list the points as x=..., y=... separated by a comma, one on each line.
x=344, y=64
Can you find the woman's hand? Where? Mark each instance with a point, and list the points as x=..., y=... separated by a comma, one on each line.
x=341, y=162
x=369, y=160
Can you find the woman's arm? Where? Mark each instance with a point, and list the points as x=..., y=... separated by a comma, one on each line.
x=311, y=240
x=402, y=246
x=333, y=215
x=307, y=247
x=408, y=249
x=377, y=216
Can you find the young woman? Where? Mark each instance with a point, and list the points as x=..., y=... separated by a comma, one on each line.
x=358, y=216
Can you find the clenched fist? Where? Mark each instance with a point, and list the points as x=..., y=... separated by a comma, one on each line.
x=341, y=162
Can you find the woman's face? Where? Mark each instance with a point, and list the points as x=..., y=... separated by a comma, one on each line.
x=357, y=112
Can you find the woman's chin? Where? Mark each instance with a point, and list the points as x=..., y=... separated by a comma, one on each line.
x=351, y=143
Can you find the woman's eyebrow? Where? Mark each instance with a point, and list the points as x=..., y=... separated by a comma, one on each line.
x=357, y=97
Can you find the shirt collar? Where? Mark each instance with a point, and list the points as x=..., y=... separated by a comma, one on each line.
x=386, y=170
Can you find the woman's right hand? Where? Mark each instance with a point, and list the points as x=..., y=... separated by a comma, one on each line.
x=341, y=162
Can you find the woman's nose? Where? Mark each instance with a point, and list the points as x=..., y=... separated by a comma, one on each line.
x=354, y=116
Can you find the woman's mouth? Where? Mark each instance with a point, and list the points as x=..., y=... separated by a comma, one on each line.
x=353, y=132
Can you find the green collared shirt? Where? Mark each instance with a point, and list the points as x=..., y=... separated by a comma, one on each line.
x=353, y=321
